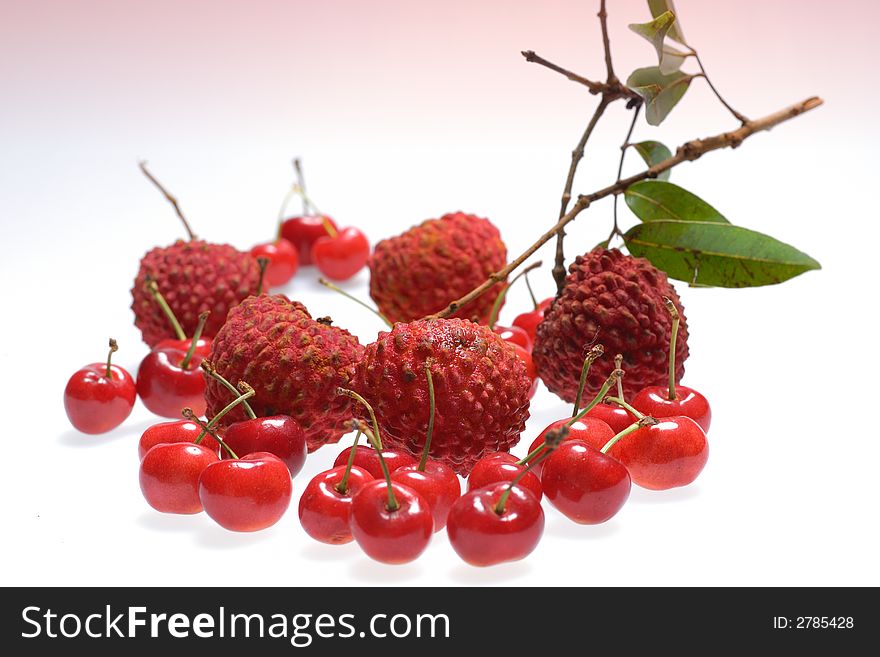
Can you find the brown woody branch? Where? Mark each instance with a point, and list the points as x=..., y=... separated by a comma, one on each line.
x=687, y=152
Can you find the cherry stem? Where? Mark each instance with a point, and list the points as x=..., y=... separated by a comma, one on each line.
x=424, y=461
x=393, y=504
x=263, y=262
x=531, y=455
x=531, y=292
x=676, y=320
x=208, y=367
x=618, y=362
x=366, y=404
x=551, y=442
x=247, y=394
x=301, y=183
x=153, y=290
x=622, y=403
x=644, y=421
x=609, y=382
x=203, y=317
x=207, y=429
x=496, y=307
x=592, y=356
x=113, y=349
x=342, y=486
x=173, y=201
x=351, y=297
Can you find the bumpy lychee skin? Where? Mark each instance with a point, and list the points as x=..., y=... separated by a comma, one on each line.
x=616, y=300
x=480, y=388
x=421, y=271
x=193, y=277
x=293, y=362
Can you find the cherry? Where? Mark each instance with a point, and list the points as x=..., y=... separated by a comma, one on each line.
x=515, y=335
x=368, y=458
x=283, y=260
x=531, y=370
x=176, y=431
x=584, y=483
x=672, y=400
x=280, y=435
x=325, y=505
x=342, y=255
x=100, y=396
x=202, y=349
x=529, y=321
x=591, y=430
x=503, y=467
x=303, y=231
x=169, y=476
x=614, y=416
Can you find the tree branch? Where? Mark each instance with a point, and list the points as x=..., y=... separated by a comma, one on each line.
x=606, y=44
x=687, y=152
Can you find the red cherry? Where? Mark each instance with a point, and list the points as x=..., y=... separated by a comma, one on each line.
x=203, y=345
x=531, y=370
x=342, y=256
x=654, y=401
x=99, y=396
x=437, y=484
x=283, y=260
x=529, y=321
x=586, y=485
x=592, y=431
x=614, y=416
x=368, y=459
x=280, y=435
x=302, y=232
x=324, y=512
x=177, y=431
x=391, y=536
x=664, y=455
x=502, y=467
x=169, y=476
x=246, y=494
x=515, y=335
x=166, y=387
x=483, y=537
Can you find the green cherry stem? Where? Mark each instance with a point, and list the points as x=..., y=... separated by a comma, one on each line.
x=342, y=486
x=351, y=297
x=531, y=455
x=676, y=320
x=644, y=421
x=248, y=393
x=622, y=403
x=553, y=440
x=203, y=317
x=609, y=383
x=592, y=356
x=424, y=461
x=301, y=184
x=531, y=292
x=209, y=369
x=366, y=404
x=153, y=290
x=393, y=504
x=113, y=349
x=496, y=307
x=263, y=263
x=207, y=430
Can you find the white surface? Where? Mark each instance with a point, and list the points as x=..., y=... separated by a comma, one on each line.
x=789, y=494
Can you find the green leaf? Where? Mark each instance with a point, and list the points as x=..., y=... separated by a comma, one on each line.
x=655, y=31
x=655, y=200
x=716, y=254
x=661, y=92
x=653, y=152
x=671, y=60
x=659, y=7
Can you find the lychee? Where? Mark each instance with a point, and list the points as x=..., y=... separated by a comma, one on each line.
x=481, y=389
x=421, y=271
x=617, y=300
x=295, y=364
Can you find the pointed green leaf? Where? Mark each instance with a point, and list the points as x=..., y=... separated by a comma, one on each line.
x=671, y=60
x=716, y=254
x=655, y=31
x=653, y=152
x=655, y=200
x=658, y=7
x=661, y=92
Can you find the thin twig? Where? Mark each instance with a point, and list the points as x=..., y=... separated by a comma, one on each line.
x=739, y=117
x=173, y=201
x=606, y=44
x=595, y=88
x=623, y=149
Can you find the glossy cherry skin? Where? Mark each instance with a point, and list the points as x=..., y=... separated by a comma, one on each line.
x=176, y=431
x=614, y=416
x=166, y=388
x=302, y=233
x=203, y=346
x=502, y=467
x=368, y=459
x=516, y=335
x=592, y=431
x=341, y=257
x=324, y=512
x=482, y=537
x=654, y=401
x=529, y=321
x=247, y=494
x=393, y=537
x=283, y=260
x=437, y=484
x=586, y=485
x=280, y=435
x=665, y=455
x=169, y=476
x=531, y=370
x=95, y=403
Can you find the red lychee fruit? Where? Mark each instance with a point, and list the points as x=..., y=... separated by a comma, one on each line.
x=421, y=271
x=481, y=389
x=617, y=300
x=294, y=363
x=193, y=276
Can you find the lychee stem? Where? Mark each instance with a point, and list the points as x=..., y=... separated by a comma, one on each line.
x=203, y=317
x=618, y=362
x=248, y=392
x=551, y=442
x=644, y=421
x=609, y=383
x=209, y=369
x=592, y=356
x=342, y=486
x=113, y=349
x=622, y=403
x=351, y=297
x=496, y=307
x=207, y=429
x=393, y=504
x=676, y=320
x=366, y=404
x=143, y=165
x=430, y=434
x=263, y=263
x=153, y=290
